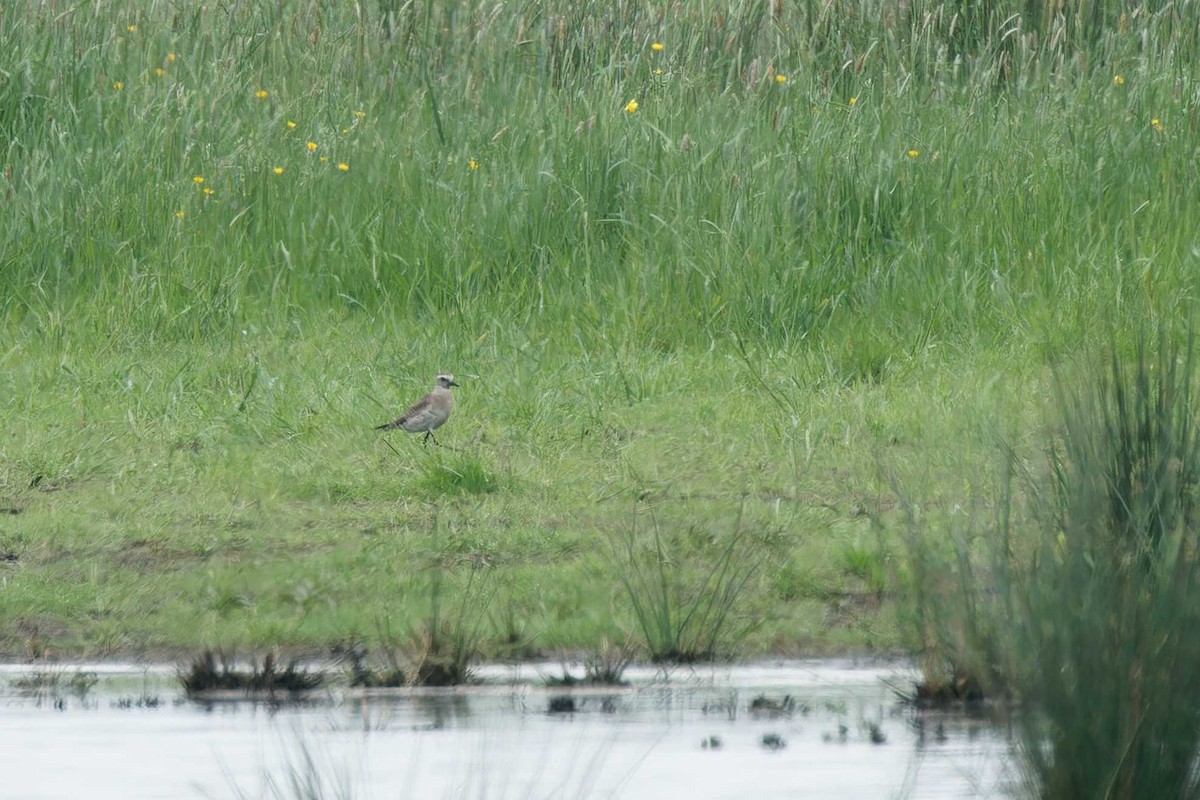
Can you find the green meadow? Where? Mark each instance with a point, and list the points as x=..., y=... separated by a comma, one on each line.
x=726, y=290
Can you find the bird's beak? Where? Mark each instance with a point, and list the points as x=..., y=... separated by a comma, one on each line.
x=452, y=383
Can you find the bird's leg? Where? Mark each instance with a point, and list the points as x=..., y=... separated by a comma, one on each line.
x=435, y=441
x=425, y=441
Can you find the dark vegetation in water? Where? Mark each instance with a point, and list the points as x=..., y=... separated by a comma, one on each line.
x=602, y=667
x=945, y=688
x=57, y=683
x=215, y=672
x=441, y=669
x=841, y=737
x=764, y=706
x=572, y=703
x=361, y=675
x=562, y=704
x=144, y=701
x=439, y=652
x=773, y=742
x=439, y=649
x=606, y=665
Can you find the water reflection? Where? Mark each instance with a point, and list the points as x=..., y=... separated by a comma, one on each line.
x=803, y=729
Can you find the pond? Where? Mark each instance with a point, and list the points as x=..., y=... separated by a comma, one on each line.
x=822, y=729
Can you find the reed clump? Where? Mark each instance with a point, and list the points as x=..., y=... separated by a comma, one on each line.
x=216, y=672
x=684, y=602
x=438, y=649
x=1108, y=601
x=1081, y=600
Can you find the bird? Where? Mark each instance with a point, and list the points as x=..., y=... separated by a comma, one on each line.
x=429, y=413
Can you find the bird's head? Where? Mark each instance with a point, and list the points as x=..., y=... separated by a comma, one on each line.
x=446, y=380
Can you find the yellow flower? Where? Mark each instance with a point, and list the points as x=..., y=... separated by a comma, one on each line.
x=914, y=153
x=178, y=215
x=472, y=164
x=343, y=166
x=290, y=125
x=781, y=78
x=360, y=114
x=132, y=29
x=118, y=86
x=159, y=71
x=312, y=146
x=198, y=179
x=170, y=58
x=278, y=170
x=658, y=72
x=631, y=106
x=1156, y=123
x=1118, y=80
x=262, y=94
x=853, y=100
x=657, y=46
x=207, y=191
x=345, y=131
x=324, y=159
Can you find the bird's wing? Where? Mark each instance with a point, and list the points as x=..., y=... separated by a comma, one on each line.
x=419, y=408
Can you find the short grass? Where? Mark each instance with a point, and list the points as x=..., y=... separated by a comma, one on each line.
x=234, y=238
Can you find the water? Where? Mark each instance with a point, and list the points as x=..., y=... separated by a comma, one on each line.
x=500, y=740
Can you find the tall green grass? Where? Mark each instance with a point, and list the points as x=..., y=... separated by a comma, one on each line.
x=728, y=203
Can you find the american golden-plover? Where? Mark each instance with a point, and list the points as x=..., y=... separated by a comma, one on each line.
x=429, y=413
